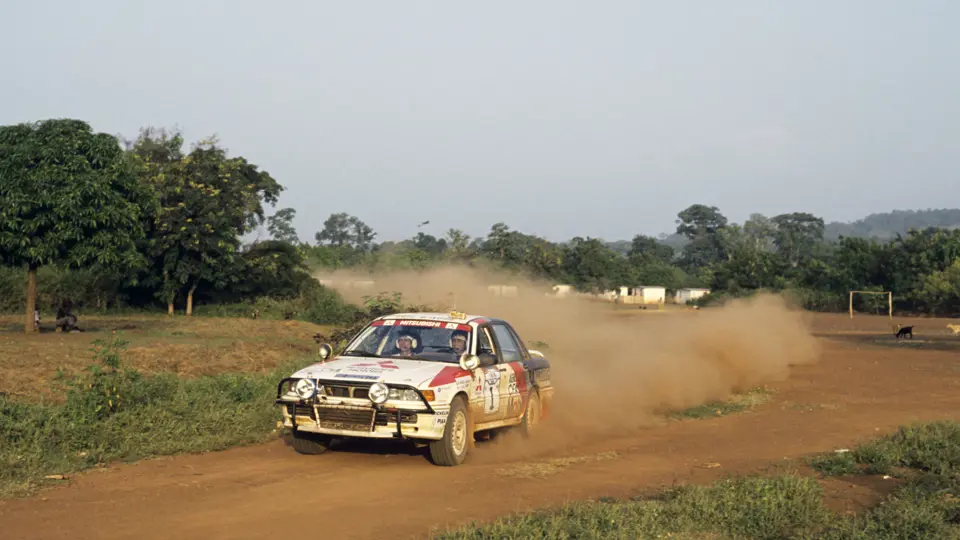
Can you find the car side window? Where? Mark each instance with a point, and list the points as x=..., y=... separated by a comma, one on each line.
x=484, y=343
x=524, y=354
x=509, y=349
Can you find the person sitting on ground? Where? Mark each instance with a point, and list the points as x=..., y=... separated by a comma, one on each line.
x=66, y=320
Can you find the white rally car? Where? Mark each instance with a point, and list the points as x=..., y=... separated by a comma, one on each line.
x=436, y=378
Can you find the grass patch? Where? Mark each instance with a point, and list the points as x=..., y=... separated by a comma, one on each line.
x=785, y=506
x=777, y=507
x=736, y=404
x=114, y=414
x=543, y=469
x=932, y=447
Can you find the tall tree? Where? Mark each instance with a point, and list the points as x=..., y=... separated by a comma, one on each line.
x=280, y=226
x=797, y=235
x=592, y=265
x=646, y=249
x=430, y=244
x=157, y=156
x=207, y=202
x=761, y=230
x=343, y=230
x=700, y=220
x=68, y=196
x=702, y=225
x=458, y=244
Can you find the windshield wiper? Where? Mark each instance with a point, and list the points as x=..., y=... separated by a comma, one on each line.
x=364, y=354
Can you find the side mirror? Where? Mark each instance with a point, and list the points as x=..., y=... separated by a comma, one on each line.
x=325, y=351
x=469, y=362
x=536, y=353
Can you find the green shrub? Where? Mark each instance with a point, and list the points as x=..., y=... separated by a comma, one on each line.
x=752, y=507
x=111, y=413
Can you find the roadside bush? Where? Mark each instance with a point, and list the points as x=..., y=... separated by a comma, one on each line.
x=111, y=413
x=754, y=507
x=316, y=304
x=932, y=447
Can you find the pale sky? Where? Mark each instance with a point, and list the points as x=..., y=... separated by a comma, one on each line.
x=559, y=118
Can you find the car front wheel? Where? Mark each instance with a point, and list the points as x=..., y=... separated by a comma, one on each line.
x=453, y=448
x=311, y=444
x=531, y=417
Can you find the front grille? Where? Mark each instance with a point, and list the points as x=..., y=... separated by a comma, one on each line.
x=342, y=417
x=345, y=391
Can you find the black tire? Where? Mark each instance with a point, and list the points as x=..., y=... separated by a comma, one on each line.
x=457, y=440
x=311, y=444
x=531, y=416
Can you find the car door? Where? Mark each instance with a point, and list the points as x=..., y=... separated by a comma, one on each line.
x=490, y=385
x=512, y=354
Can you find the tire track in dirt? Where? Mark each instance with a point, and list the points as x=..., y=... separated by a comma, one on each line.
x=260, y=491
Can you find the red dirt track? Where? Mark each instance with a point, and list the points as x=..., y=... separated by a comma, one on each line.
x=854, y=392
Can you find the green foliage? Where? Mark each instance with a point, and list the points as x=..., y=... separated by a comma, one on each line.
x=67, y=195
x=754, y=507
x=940, y=290
x=280, y=226
x=930, y=447
x=784, y=506
x=151, y=225
x=112, y=413
x=343, y=230
x=207, y=201
x=736, y=404
x=314, y=303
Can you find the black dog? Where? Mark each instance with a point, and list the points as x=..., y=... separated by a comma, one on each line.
x=905, y=331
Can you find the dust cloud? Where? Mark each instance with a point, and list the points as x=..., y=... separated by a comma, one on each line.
x=613, y=370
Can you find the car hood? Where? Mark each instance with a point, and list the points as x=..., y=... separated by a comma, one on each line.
x=387, y=370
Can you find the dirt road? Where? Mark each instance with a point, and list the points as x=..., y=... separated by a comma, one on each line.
x=262, y=491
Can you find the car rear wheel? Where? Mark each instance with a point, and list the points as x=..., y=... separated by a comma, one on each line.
x=453, y=448
x=311, y=444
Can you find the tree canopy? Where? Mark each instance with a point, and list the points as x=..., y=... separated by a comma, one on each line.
x=67, y=196
x=154, y=223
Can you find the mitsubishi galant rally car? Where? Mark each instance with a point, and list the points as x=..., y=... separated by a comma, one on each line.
x=435, y=378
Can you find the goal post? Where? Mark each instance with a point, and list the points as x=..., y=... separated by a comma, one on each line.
x=888, y=294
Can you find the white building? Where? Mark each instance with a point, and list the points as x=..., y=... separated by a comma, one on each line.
x=502, y=290
x=684, y=295
x=650, y=294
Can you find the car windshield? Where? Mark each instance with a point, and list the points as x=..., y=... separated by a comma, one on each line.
x=434, y=341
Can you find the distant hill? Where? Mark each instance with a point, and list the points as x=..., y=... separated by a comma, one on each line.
x=887, y=226
x=880, y=226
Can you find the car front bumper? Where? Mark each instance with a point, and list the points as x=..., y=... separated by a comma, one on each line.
x=363, y=421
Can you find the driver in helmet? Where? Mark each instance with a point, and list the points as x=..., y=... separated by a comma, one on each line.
x=405, y=344
x=458, y=342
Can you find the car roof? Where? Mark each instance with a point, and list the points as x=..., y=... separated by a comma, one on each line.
x=440, y=316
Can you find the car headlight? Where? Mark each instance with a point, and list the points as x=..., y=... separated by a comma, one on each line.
x=378, y=392
x=407, y=394
x=305, y=388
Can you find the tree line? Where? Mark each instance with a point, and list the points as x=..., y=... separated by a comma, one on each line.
x=787, y=252
x=101, y=222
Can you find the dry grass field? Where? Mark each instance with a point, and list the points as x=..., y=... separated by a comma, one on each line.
x=157, y=343
x=864, y=384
